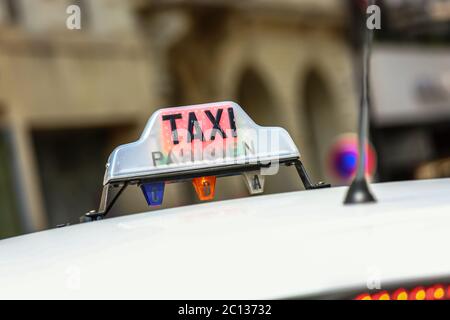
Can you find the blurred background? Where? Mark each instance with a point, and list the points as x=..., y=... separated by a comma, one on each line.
x=68, y=97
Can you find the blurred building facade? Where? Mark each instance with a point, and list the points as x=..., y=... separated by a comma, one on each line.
x=67, y=97
x=411, y=90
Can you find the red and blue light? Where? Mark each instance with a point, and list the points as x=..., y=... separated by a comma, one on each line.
x=343, y=158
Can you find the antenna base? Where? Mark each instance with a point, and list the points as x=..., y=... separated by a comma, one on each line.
x=359, y=193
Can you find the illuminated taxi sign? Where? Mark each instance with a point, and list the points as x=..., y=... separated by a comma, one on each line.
x=183, y=139
x=198, y=143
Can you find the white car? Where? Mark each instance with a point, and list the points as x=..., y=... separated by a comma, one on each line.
x=305, y=244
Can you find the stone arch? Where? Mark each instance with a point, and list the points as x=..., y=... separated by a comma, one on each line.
x=320, y=122
x=255, y=97
x=255, y=94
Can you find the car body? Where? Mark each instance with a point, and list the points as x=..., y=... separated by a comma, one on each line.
x=304, y=244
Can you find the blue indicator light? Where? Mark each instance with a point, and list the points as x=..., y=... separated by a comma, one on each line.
x=346, y=163
x=343, y=158
x=154, y=193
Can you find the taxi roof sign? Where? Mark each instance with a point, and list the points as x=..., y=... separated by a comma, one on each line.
x=182, y=139
x=191, y=142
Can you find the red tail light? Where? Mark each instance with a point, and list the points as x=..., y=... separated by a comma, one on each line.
x=434, y=292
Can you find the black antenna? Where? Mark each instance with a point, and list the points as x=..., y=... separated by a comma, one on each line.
x=359, y=191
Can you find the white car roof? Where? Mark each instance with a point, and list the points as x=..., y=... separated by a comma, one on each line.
x=273, y=246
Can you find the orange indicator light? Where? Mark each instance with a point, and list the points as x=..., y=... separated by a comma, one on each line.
x=364, y=296
x=436, y=292
x=418, y=294
x=205, y=187
x=382, y=296
x=400, y=294
x=439, y=293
